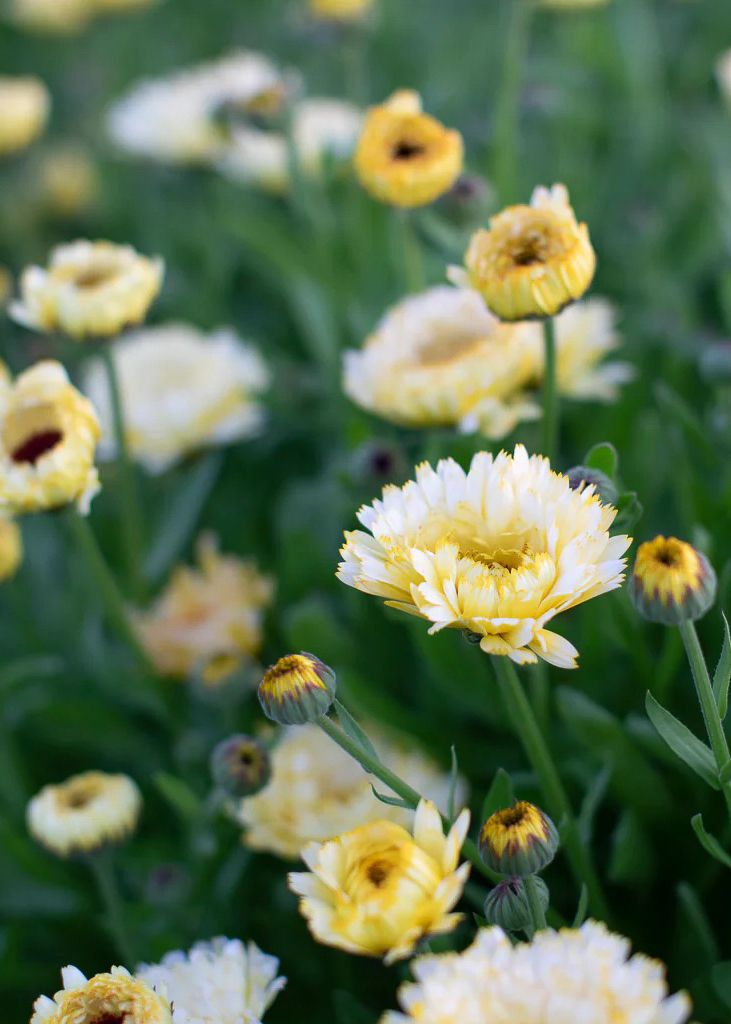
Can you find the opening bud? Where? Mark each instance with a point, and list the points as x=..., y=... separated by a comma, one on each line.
x=507, y=904
x=299, y=688
x=583, y=476
x=519, y=840
x=672, y=582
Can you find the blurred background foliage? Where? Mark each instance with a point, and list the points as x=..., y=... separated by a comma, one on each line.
x=621, y=105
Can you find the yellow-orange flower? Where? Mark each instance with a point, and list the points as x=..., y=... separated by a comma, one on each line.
x=115, y=996
x=341, y=10
x=518, y=840
x=11, y=548
x=405, y=157
x=299, y=688
x=672, y=582
x=24, y=107
x=533, y=260
x=376, y=891
x=67, y=181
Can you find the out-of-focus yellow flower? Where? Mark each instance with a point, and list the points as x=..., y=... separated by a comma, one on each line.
x=317, y=791
x=56, y=17
x=585, y=335
x=48, y=435
x=405, y=157
x=376, y=891
x=299, y=688
x=11, y=548
x=181, y=391
x=723, y=75
x=116, y=996
x=341, y=10
x=519, y=840
x=671, y=581
x=208, y=618
x=90, y=290
x=499, y=550
x=24, y=107
x=67, y=182
x=441, y=359
x=85, y=813
x=533, y=260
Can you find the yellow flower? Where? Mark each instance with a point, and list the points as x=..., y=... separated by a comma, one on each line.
x=440, y=358
x=67, y=182
x=181, y=390
x=85, y=813
x=341, y=10
x=58, y=17
x=519, y=840
x=317, y=791
x=90, y=290
x=672, y=582
x=48, y=434
x=533, y=260
x=24, y=108
x=376, y=891
x=585, y=334
x=499, y=550
x=103, y=999
x=298, y=689
x=11, y=548
x=405, y=157
x=208, y=618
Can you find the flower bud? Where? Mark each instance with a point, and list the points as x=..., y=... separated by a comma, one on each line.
x=299, y=688
x=468, y=200
x=519, y=840
x=672, y=582
x=240, y=766
x=507, y=904
x=583, y=476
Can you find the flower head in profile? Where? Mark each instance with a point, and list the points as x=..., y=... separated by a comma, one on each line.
x=89, y=290
x=115, y=996
x=24, y=107
x=316, y=790
x=519, y=840
x=299, y=688
x=405, y=157
x=585, y=335
x=240, y=765
x=533, y=260
x=181, y=391
x=376, y=891
x=221, y=981
x=343, y=11
x=11, y=548
x=671, y=581
x=208, y=618
x=85, y=813
x=440, y=358
x=48, y=436
x=499, y=550
x=52, y=17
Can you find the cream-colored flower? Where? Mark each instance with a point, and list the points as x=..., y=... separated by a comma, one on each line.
x=499, y=550
x=11, y=548
x=24, y=107
x=181, y=390
x=440, y=358
x=48, y=435
x=341, y=10
x=176, y=119
x=67, y=181
x=57, y=17
x=585, y=335
x=208, y=618
x=217, y=982
x=377, y=891
x=564, y=977
x=85, y=813
x=723, y=75
x=112, y=997
x=90, y=290
x=316, y=791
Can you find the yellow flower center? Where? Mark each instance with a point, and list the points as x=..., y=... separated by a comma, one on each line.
x=446, y=349
x=31, y=433
x=669, y=568
x=390, y=872
x=514, y=827
x=79, y=794
x=499, y=562
x=407, y=150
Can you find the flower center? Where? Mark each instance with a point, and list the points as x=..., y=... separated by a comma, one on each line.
x=405, y=150
x=79, y=795
x=445, y=349
x=497, y=563
x=36, y=445
x=530, y=249
x=110, y=1018
x=93, y=277
x=378, y=872
x=668, y=555
x=30, y=433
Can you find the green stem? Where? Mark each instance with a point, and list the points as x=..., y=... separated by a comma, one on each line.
x=529, y=733
x=130, y=513
x=411, y=253
x=707, y=700
x=103, y=581
x=401, y=788
x=550, y=392
x=106, y=883
x=534, y=902
x=504, y=169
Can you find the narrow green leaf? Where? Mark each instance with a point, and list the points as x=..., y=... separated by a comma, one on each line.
x=683, y=742
x=590, y=804
x=696, y=927
x=351, y=728
x=453, y=780
x=582, y=907
x=499, y=795
x=709, y=843
x=724, y=775
x=392, y=801
x=179, y=795
x=603, y=457
x=722, y=675
x=721, y=979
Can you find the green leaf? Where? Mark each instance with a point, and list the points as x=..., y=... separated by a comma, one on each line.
x=722, y=675
x=721, y=980
x=724, y=775
x=683, y=742
x=453, y=781
x=392, y=801
x=699, y=941
x=633, y=860
x=499, y=795
x=709, y=843
x=603, y=457
x=629, y=510
x=351, y=728
x=592, y=800
x=582, y=907
x=348, y=1010
x=179, y=795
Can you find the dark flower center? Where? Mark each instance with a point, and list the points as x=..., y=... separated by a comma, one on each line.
x=407, y=150
x=36, y=445
x=110, y=1018
x=378, y=872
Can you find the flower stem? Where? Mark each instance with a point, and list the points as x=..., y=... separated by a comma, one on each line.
x=504, y=169
x=106, y=882
x=707, y=700
x=411, y=254
x=550, y=392
x=534, y=902
x=401, y=788
x=529, y=733
x=131, y=518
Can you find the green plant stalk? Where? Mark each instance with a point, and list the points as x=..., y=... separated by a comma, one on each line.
x=401, y=788
x=529, y=733
x=534, y=903
x=411, y=252
x=504, y=164
x=550, y=392
x=106, y=882
x=131, y=517
x=707, y=701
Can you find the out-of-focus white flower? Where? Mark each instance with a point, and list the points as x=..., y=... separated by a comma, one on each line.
x=585, y=334
x=57, y=17
x=24, y=106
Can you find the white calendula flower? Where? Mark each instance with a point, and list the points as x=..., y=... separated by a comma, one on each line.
x=85, y=813
x=24, y=108
x=564, y=977
x=88, y=290
x=317, y=791
x=217, y=982
x=181, y=390
x=112, y=997
x=585, y=335
x=54, y=17
x=441, y=358
x=498, y=550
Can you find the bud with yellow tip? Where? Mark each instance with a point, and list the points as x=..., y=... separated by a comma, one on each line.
x=519, y=840
x=299, y=688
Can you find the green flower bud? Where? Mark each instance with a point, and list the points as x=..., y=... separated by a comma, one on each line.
x=240, y=766
x=583, y=476
x=519, y=840
x=299, y=688
x=672, y=582
x=507, y=904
